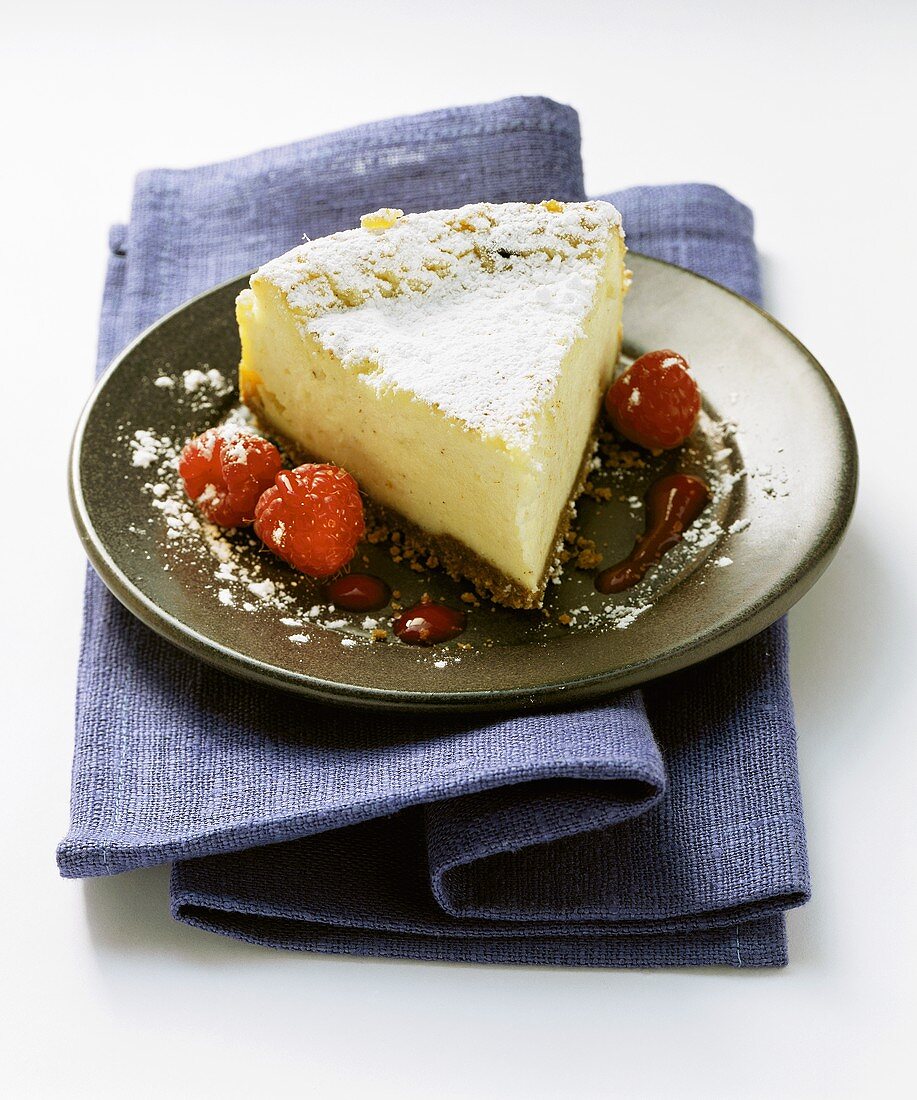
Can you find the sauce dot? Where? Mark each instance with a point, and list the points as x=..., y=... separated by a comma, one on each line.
x=358, y=592
x=429, y=623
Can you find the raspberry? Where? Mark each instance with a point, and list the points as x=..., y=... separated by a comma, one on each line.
x=655, y=402
x=312, y=517
x=225, y=470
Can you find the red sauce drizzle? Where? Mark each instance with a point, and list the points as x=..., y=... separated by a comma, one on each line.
x=672, y=504
x=359, y=592
x=429, y=623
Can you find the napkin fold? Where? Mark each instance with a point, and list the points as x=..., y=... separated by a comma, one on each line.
x=662, y=826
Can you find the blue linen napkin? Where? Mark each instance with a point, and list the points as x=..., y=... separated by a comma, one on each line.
x=661, y=826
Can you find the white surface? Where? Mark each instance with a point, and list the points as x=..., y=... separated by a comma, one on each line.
x=805, y=111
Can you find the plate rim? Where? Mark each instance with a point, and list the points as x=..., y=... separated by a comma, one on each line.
x=735, y=630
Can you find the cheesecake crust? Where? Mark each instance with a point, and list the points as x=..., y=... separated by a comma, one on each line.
x=458, y=560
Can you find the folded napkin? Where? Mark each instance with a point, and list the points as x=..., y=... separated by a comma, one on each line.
x=661, y=826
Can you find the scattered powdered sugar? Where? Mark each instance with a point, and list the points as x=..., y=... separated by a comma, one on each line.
x=195, y=378
x=300, y=639
x=723, y=561
x=617, y=616
x=623, y=616
x=265, y=589
x=772, y=481
x=700, y=535
x=447, y=660
x=309, y=616
x=202, y=388
x=147, y=448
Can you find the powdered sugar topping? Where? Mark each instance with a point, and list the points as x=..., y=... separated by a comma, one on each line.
x=421, y=305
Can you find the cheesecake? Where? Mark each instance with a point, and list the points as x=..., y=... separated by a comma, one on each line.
x=454, y=362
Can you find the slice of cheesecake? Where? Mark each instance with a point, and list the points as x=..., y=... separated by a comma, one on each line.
x=454, y=362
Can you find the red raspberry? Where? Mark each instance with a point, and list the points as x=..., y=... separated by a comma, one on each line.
x=225, y=471
x=655, y=402
x=312, y=517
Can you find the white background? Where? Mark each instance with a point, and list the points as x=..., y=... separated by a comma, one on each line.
x=803, y=110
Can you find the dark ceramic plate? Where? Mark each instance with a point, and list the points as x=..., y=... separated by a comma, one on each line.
x=774, y=439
